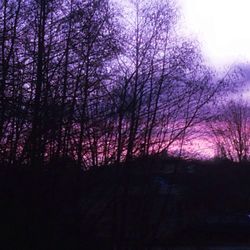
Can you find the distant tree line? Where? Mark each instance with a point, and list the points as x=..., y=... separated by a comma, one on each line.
x=230, y=130
x=82, y=79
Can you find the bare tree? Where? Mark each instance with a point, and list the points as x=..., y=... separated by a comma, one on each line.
x=165, y=84
x=78, y=80
x=230, y=129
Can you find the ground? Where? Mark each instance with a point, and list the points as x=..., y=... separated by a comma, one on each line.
x=147, y=202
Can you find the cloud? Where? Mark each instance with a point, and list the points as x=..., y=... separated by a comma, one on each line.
x=222, y=28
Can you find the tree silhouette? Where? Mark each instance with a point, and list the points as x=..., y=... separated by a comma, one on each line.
x=80, y=80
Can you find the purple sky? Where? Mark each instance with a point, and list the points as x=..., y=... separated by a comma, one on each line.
x=220, y=26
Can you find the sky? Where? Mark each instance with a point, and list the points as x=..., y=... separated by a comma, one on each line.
x=221, y=26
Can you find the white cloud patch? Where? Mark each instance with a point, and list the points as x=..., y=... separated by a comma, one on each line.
x=222, y=27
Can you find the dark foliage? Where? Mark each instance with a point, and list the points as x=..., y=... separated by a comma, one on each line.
x=147, y=202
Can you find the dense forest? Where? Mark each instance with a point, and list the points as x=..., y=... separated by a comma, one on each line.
x=98, y=82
